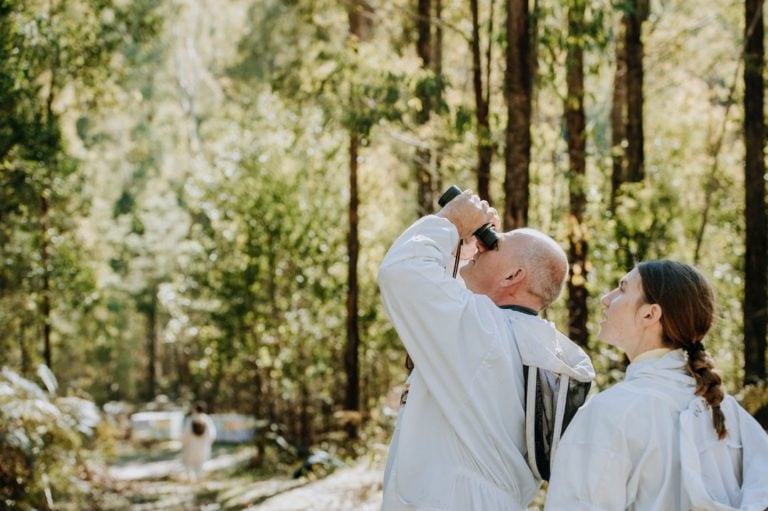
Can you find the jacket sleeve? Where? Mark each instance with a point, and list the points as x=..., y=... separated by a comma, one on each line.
x=446, y=329
x=723, y=474
x=755, y=463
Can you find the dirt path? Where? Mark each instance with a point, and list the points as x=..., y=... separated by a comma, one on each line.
x=161, y=485
x=356, y=488
x=165, y=468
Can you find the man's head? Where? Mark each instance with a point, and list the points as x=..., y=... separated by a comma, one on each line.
x=528, y=268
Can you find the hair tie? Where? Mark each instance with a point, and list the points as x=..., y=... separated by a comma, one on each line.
x=694, y=348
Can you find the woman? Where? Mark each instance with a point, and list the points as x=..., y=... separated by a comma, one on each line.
x=198, y=435
x=666, y=438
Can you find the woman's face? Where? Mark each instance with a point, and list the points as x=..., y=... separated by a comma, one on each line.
x=621, y=325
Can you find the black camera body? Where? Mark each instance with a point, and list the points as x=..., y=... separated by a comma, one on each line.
x=486, y=234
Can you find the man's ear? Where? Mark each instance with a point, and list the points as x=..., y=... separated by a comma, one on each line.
x=514, y=278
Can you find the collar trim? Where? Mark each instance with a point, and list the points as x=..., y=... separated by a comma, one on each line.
x=520, y=308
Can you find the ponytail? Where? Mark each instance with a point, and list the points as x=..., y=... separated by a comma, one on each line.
x=708, y=384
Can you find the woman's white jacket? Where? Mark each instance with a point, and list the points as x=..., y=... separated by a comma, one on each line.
x=623, y=449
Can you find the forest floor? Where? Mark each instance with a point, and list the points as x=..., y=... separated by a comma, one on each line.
x=156, y=481
x=159, y=483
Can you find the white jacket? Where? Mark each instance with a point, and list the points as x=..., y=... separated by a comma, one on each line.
x=460, y=438
x=623, y=450
x=196, y=449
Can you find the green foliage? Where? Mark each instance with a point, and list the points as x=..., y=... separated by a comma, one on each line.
x=41, y=437
x=754, y=398
x=372, y=103
x=464, y=120
x=430, y=88
x=48, y=51
x=273, y=320
x=644, y=218
x=193, y=157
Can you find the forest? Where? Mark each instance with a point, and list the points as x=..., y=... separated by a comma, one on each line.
x=195, y=196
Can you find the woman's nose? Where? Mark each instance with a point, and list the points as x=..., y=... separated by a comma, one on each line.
x=606, y=299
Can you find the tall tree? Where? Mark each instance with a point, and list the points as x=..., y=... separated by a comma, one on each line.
x=360, y=27
x=148, y=306
x=518, y=94
x=437, y=68
x=351, y=357
x=576, y=135
x=635, y=13
x=628, y=149
x=618, y=117
x=756, y=240
x=481, y=84
x=425, y=90
x=56, y=75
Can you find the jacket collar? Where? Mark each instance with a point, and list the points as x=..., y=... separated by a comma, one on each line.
x=671, y=366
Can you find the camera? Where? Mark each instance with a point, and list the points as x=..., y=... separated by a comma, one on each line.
x=486, y=234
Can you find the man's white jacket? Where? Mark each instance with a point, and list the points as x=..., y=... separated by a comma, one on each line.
x=459, y=443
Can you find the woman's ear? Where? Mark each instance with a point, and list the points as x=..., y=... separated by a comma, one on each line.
x=653, y=313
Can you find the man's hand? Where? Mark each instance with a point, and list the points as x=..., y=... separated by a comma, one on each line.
x=468, y=213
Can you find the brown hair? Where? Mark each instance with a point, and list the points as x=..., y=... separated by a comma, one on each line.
x=687, y=302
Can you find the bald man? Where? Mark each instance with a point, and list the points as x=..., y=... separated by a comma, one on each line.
x=459, y=442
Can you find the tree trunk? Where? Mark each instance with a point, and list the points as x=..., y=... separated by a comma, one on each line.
x=437, y=47
x=360, y=16
x=360, y=28
x=518, y=81
x=353, y=336
x=618, y=119
x=306, y=436
x=634, y=16
x=150, y=312
x=627, y=118
x=756, y=256
x=484, y=140
x=424, y=51
x=45, y=306
x=423, y=157
x=437, y=67
x=45, y=291
x=24, y=355
x=576, y=134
